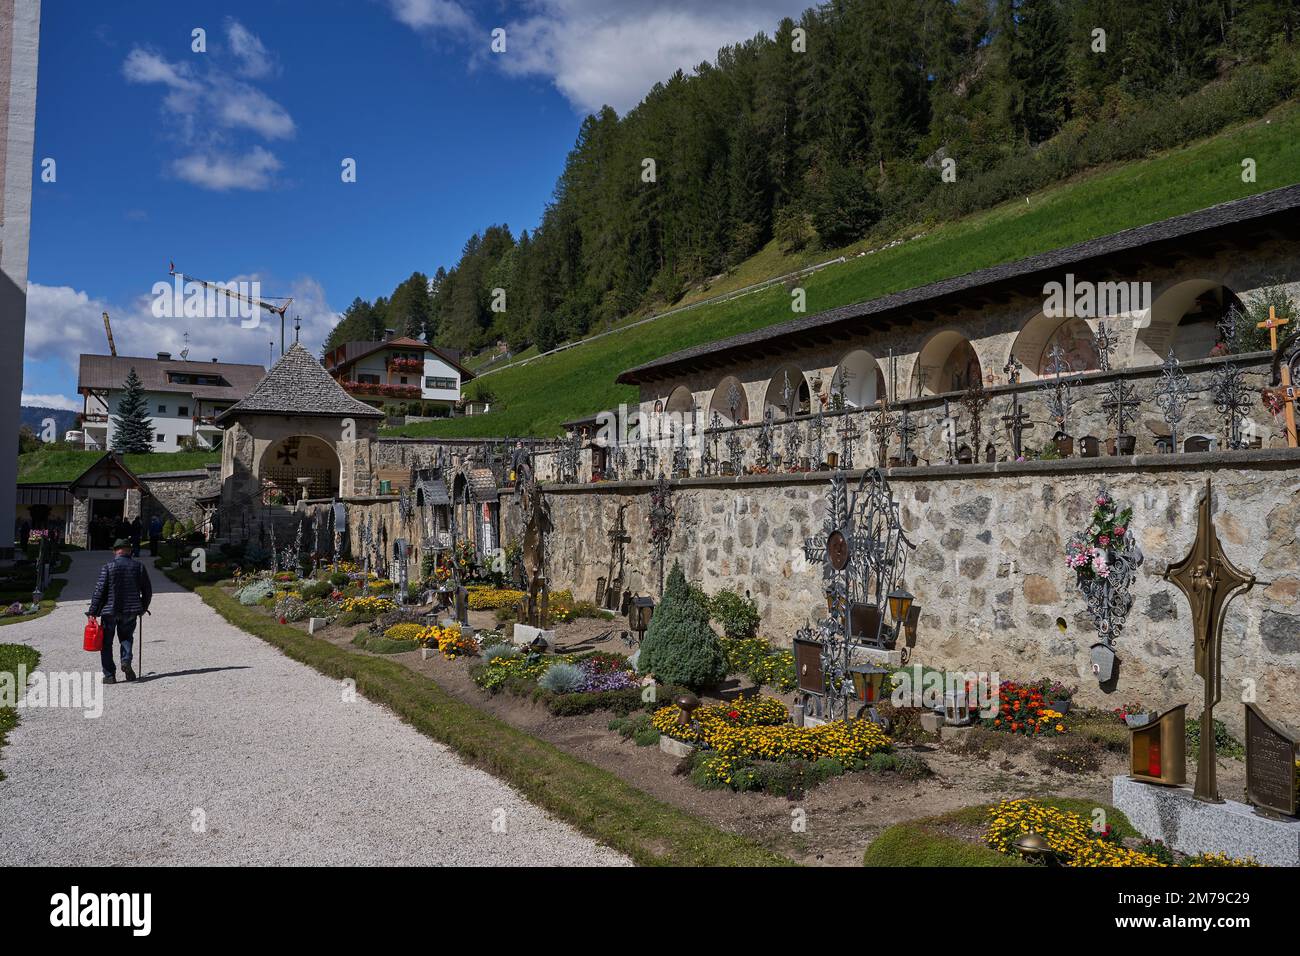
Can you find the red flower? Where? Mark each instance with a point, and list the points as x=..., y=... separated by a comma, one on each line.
x=1119, y=530
x=733, y=714
x=283, y=621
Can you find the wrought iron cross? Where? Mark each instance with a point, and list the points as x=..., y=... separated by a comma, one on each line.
x=1120, y=397
x=1172, y=395
x=974, y=401
x=848, y=434
x=1105, y=341
x=1017, y=423
x=885, y=424
x=1059, y=390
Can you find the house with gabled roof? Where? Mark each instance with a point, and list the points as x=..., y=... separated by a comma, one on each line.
x=400, y=371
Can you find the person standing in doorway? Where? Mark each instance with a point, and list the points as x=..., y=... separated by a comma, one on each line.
x=122, y=594
x=155, y=534
x=135, y=531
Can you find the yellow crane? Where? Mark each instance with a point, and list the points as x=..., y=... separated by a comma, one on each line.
x=224, y=289
x=108, y=330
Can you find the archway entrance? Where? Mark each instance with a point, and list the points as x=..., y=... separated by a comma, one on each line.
x=299, y=456
x=1185, y=317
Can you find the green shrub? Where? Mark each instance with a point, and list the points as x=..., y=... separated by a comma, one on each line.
x=737, y=616
x=563, y=678
x=824, y=769
x=254, y=593
x=1225, y=745
x=882, y=762
x=645, y=737
x=339, y=579
x=493, y=651
x=680, y=647
x=317, y=589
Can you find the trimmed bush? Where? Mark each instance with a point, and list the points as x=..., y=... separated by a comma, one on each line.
x=680, y=647
x=737, y=616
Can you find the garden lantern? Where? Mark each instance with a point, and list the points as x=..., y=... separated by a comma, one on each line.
x=1032, y=847
x=956, y=707
x=867, y=681
x=900, y=604
x=639, y=612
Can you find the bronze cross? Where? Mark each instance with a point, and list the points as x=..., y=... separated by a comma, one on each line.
x=1209, y=581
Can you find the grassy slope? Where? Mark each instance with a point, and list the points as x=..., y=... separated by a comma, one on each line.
x=60, y=464
x=594, y=800
x=534, y=399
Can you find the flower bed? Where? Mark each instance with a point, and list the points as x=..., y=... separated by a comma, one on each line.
x=1074, y=841
x=1022, y=710
x=489, y=598
x=366, y=605
x=450, y=641
x=757, y=729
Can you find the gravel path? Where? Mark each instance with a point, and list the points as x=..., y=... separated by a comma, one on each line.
x=224, y=728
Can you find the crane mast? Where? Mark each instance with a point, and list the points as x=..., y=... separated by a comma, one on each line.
x=236, y=294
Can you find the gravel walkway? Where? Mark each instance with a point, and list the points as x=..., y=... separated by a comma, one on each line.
x=225, y=728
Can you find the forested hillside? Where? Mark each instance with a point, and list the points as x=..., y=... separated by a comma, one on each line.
x=837, y=127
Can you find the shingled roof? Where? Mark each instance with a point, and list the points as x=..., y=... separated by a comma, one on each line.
x=299, y=385
x=105, y=372
x=1268, y=211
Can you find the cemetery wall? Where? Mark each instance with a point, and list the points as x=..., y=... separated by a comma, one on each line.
x=174, y=495
x=988, y=570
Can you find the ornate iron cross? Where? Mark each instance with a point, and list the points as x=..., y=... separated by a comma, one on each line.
x=906, y=431
x=848, y=434
x=793, y=445
x=1209, y=581
x=949, y=425
x=1059, y=390
x=764, y=440
x=884, y=425
x=1232, y=399
x=1105, y=341
x=1119, y=399
x=733, y=401
x=735, y=451
x=974, y=401
x=1172, y=395
x=1016, y=421
x=662, y=517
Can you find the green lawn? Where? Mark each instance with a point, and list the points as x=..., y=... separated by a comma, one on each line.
x=534, y=399
x=65, y=464
x=11, y=656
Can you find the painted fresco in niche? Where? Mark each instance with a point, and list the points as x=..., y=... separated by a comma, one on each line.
x=1077, y=349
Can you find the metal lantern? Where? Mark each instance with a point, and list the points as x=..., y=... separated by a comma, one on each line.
x=639, y=612
x=867, y=681
x=900, y=604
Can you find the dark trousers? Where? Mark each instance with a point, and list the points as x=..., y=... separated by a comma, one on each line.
x=124, y=628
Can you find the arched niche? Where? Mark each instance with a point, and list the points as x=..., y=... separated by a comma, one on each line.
x=681, y=401
x=863, y=381
x=1185, y=317
x=1033, y=346
x=800, y=394
x=947, y=363
x=721, y=401
x=300, y=456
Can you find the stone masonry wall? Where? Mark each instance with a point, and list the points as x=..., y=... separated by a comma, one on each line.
x=988, y=569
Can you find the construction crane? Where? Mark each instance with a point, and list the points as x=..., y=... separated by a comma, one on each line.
x=108, y=329
x=234, y=294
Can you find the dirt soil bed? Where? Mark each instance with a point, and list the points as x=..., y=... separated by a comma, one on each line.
x=842, y=815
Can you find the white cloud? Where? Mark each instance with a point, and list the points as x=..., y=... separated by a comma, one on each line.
x=599, y=52
x=63, y=322
x=431, y=14
x=255, y=61
x=223, y=171
x=212, y=108
x=52, y=401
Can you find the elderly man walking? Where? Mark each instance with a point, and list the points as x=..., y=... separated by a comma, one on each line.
x=122, y=594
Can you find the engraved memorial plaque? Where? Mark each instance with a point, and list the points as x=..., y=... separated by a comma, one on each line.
x=808, y=666
x=1270, y=764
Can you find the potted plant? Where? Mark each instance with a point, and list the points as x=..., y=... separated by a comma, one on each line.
x=1058, y=696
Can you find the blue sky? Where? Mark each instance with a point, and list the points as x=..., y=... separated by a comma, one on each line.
x=228, y=161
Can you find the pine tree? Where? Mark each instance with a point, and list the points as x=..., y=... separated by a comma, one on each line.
x=133, y=434
x=680, y=647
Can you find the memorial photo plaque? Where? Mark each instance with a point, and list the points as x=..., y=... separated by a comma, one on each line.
x=1270, y=765
x=1158, y=750
x=808, y=666
x=864, y=622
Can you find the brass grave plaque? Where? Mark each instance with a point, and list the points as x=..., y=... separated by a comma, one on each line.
x=1270, y=765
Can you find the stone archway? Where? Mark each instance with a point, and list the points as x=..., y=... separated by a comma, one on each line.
x=1033, y=346
x=1184, y=317
x=864, y=382
x=299, y=456
x=801, y=395
x=947, y=363
x=721, y=401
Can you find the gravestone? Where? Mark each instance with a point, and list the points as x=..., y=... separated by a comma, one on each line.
x=1270, y=766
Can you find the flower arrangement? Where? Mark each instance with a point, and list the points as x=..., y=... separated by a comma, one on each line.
x=1022, y=710
x=1090, y=552
x=367, y=604
x=450, y=641
x=1074, y=841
